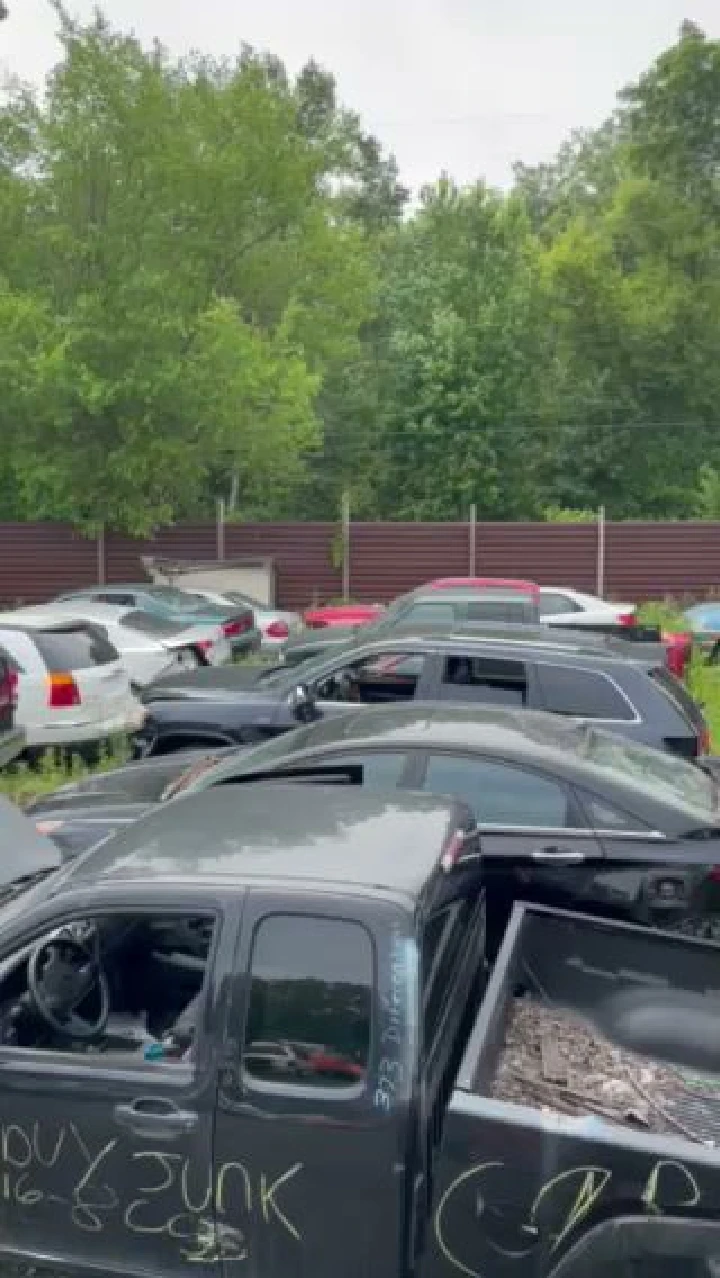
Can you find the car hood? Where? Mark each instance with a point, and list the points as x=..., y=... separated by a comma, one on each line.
x=209, y=683
x=75, y=831
x=24, y=850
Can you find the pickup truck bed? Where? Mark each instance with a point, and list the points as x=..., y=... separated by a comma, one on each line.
x=584, y=1128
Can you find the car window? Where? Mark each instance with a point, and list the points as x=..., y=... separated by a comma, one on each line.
x=585, y=693
x=665, y=775
x=387, y=676
x=74, y=647
x=498, y=793
x=380, y=769
x=552, y=605
x=430, y=611
x=114, y=597
x=486, y=680
x=145, y=980
x=515, y=611
x=674, y=690
x=310, y=1008
x=606, y=816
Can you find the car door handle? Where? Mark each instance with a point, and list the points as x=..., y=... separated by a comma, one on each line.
x=558, y=856
x=151, y=1116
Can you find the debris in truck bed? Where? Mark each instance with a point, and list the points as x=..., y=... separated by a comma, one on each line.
x=555, y=1060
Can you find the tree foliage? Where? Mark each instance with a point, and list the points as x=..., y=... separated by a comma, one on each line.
x=210, y=285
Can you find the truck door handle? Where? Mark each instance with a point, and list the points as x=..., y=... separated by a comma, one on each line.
x=153, y=1116
x=558, y=856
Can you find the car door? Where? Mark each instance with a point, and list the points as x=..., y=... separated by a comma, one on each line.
x=301, y=1139
x=522, y=813
x=107, y=1159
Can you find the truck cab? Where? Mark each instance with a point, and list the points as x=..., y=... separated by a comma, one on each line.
x=264, y=1038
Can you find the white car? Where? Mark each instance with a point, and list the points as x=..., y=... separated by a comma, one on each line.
x=275, y=625
x=149, y=646
x=562, y=606
x=72, y=687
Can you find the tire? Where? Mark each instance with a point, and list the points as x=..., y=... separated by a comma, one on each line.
x=704, y=927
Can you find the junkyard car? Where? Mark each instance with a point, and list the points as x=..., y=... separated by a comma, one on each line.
x=268, y=1042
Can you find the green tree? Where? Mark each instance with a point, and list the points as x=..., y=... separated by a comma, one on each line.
x=171, y=223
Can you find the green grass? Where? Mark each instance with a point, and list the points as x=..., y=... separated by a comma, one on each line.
x=22, y=783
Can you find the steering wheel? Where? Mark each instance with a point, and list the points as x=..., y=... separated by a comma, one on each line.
x=61, y=972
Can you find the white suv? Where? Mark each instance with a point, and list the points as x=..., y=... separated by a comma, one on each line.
x=72, y=688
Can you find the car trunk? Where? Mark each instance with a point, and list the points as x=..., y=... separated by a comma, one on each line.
x=86, y=681
x=589, y=1092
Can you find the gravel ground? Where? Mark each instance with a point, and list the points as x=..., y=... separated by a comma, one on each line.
x=555, y=1060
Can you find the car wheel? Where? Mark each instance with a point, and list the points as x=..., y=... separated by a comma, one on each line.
x=704, y=927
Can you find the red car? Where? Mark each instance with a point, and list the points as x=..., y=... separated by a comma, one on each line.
x=362, y=614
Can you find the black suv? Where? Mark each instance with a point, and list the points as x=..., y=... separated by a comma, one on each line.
x=230, y=705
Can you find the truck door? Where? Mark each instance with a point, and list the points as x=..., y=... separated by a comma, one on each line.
x=309, y=1141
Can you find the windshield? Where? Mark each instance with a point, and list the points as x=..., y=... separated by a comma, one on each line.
x=182, y=600
x=666, y=775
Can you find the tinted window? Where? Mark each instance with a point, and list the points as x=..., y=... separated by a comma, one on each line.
x=485, y=679
x=430, y=611
x=119, y=600
x=511, y=610
x=74, y=648
x=554, y=605
x=310, y=1002
x=605, y=816
x=572, y=690
x=676, y=692
x=147, y=624
x=379, y=770
x=499, y=793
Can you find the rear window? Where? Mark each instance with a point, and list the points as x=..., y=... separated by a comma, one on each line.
x=74, y=648
x=149, y=625
x=585, y=693
x=678, y=694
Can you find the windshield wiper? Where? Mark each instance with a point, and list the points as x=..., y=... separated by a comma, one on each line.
x=25, y=882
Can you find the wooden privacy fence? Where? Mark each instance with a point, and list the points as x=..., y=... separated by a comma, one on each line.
x=634, y=560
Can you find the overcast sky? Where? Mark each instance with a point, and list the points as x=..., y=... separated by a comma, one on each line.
x=467, y=86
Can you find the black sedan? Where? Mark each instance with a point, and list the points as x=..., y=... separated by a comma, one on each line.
x=578, y=802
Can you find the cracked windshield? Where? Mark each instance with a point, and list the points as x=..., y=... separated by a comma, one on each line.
x=360, y=639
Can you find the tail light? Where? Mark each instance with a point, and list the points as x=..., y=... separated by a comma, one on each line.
x=63, y=692
x=277, y=630
x=627, y=619
x=314, y=622
x=714, y=874
x=703, y=739
x=13, y=686
x=237, y=627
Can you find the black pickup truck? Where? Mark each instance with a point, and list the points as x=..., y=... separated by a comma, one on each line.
x=274, y=1046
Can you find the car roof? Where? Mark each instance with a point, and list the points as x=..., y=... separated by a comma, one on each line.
x=553, y=743
x=326, y=834
x=465, y=640
x=39, y=617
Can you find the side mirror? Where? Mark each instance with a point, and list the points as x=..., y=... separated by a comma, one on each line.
x=301, y=702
